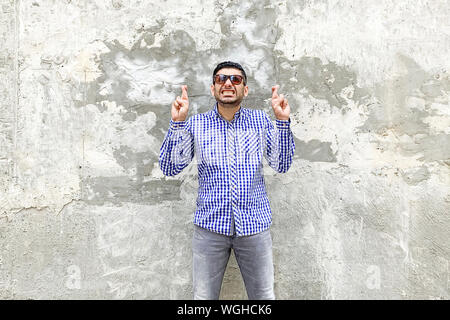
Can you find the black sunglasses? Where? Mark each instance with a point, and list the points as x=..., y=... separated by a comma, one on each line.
x=222, y=78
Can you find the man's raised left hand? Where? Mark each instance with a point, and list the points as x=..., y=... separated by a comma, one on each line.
x=280, y=105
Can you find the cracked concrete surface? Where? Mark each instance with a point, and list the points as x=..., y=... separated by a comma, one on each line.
x=85, y=103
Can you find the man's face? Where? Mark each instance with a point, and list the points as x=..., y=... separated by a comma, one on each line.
x=229, y=94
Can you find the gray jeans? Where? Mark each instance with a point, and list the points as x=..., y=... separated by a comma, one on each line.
x=211, y=252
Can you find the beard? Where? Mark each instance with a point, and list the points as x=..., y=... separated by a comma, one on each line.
x=229, y=102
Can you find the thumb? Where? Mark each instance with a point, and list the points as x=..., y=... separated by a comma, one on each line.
x=184, y=94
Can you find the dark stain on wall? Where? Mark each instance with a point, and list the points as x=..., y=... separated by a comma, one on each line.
x=308, y=74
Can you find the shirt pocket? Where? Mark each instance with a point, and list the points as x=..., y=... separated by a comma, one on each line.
x=250, y=143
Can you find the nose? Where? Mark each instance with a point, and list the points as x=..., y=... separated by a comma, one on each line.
x=228, y=82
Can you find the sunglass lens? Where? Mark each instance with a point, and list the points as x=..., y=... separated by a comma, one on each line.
x=235, y=79
x=221, y=78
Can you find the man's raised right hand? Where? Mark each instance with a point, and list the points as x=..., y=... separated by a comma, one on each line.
x=180, y=106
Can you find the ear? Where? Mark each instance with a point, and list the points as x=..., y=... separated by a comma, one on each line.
x=245, y=91
x=212, y=90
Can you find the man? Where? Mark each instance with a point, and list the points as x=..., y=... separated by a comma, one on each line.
x=233, y=209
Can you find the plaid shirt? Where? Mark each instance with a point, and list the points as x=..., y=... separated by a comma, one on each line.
x=232, y=197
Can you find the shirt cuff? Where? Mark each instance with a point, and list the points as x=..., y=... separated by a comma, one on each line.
x=177, y=125
x=283, y=124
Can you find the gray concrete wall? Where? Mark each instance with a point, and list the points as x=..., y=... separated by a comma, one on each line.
x=85, y=97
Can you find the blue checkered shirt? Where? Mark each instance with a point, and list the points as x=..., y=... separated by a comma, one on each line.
x=232, y=198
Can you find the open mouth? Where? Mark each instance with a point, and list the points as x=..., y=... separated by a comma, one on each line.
x=228, y=92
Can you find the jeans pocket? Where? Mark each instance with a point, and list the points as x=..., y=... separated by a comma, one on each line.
x=198, y=233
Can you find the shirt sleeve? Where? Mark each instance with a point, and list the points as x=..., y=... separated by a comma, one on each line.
x=279, y=144
x=177, y=149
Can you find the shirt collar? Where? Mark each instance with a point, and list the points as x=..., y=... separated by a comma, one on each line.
x=236, y=115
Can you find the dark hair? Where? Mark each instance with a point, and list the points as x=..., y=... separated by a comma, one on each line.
x=230, y=64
